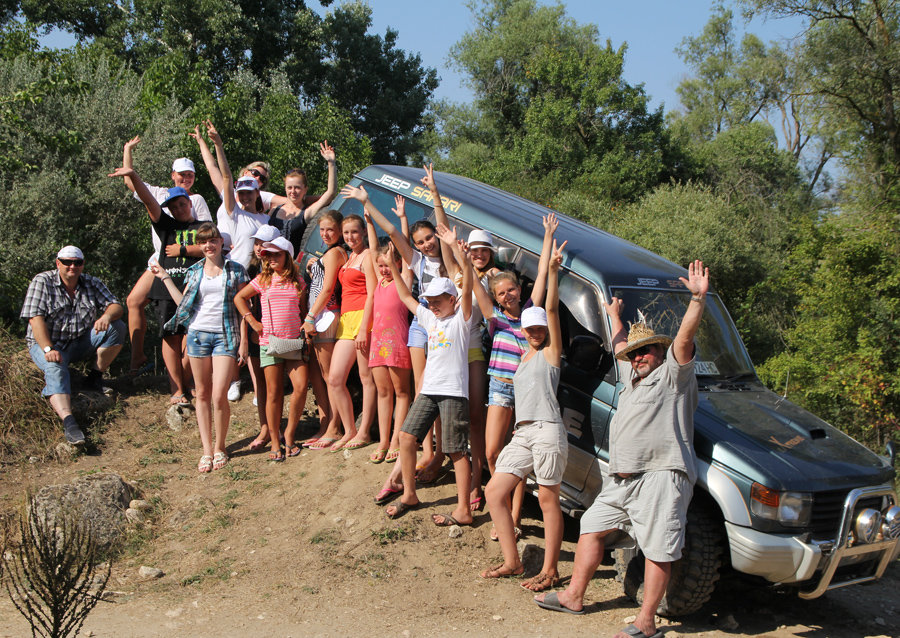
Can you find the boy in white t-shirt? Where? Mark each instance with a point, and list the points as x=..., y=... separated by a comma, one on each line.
x=445, y=385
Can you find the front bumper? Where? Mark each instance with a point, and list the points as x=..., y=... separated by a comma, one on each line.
x=789, y=559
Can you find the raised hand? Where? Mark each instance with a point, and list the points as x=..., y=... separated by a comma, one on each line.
x=134, y=141
x=698, y=279
x=614, y=307
x=556, y=257
x=326, y=151
x=551, y=223
x=196, y=134
x=355, y=192
x=428, y=180
x=399, y=206
x=213, y=134
x=158, y=271
x=122, y=171
x=446, y=235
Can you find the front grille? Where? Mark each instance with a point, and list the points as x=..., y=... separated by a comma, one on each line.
x=828, y=509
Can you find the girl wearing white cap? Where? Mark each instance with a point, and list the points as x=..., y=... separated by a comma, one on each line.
x=539, y=443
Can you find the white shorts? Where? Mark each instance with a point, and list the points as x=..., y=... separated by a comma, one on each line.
x=649, y=509
x=538, y=446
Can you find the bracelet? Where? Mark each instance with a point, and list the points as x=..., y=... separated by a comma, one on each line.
x=246, y=313
x=165, y=278
x=183, y=251
x=697, y=299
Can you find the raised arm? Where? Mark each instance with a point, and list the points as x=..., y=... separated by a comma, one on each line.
x=618, y=334
x=482, y=295
x=402, y=289
x=215, y=175
x=146, y=197
x=698, y=283
x=402, y=243
x=554, y=350
x=226, y=179
x=327, y=152
x=128, y=159
x=540, y=282
x=400, y=211
x=440, y=217
x=448, y=239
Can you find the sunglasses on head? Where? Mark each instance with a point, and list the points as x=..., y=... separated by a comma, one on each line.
x=72, y=262
x=634, y=354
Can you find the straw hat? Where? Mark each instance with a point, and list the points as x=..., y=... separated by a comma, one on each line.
x=639, y=335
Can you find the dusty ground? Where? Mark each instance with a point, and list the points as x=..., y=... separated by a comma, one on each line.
x=299, y=549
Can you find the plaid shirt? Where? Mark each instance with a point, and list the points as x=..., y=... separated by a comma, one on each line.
x=235, y=278
x=67, y=317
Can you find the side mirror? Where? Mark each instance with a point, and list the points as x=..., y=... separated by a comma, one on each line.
x=891, y=450
x=585, y=352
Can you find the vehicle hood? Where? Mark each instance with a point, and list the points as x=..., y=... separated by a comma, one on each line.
x=768, y=439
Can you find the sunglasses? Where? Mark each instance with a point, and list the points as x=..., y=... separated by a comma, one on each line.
x=258, y=174
x=72, y=262
x=634, y=354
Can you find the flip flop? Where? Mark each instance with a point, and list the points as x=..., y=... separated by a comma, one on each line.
x=476, y=504
x=308, y=442
x=276, y=457
x=293, y=450
x=377, y=456
x=179, y=399
x=337, y=447
x=321, y=444
x=401, y=508
x=494, y=572
x=392, y=455
x=387, y=495
x=220, y=459
x=551, y=602
x=448, y=520
x=355, y=445
x=631, y=630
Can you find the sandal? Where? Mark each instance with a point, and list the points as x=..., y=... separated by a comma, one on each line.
x=220, y=459
x=540, y=582
x=494, y=572
x=205, y=465
x=392, y=455
x=400, y=508
x=179, y=399
x=377, y=456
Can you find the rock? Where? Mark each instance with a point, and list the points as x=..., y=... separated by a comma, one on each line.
x=496, y=617
x=64, y=452
x=33, y=459
x=135, y=517
x=880, y=621
x=140, y=504
x=455, y=531
x=347, y=454
x=100, y=500
x=177, y=416
x=729, y=623
x=532, y=558
x=337, y=520
x=629, y=619
x=150, y=572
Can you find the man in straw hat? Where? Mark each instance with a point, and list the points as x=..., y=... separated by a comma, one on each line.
x=645, y=497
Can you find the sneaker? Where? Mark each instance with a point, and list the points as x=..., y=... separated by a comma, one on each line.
x=234, y=391
x=74, y=435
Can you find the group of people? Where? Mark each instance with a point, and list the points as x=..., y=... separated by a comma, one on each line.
x=447, y=350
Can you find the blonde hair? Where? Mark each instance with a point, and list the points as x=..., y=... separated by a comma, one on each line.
x=503, y=275
x=292, y=274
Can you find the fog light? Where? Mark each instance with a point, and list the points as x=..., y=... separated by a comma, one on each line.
x=867, y=525
x=891, y=526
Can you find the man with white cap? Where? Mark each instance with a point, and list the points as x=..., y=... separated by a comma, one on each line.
x=183, y=176
x=71, y=316
x=645, y=497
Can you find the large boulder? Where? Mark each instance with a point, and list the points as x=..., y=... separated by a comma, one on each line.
x=100, y=500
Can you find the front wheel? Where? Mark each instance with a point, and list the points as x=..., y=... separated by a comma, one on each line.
x=694, y=575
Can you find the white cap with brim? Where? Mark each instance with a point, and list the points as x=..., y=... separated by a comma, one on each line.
x=480, y=239
x=183, y=164
x=266, y=233
x=247, y=184
x=534, y=316
x=279, y=244
x=70, y=252
x=439, y=286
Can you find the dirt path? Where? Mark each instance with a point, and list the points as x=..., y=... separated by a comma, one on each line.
x=299, y=549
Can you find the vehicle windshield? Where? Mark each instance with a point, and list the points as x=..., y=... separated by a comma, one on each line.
x=720, y=352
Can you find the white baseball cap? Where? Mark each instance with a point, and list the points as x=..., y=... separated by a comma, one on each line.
x=266, y=233
x=439, y=286
x=247, y=184
x=480, y=238
x=70, y=252
x=534, y=316
x=279, y=244
x=183, y=164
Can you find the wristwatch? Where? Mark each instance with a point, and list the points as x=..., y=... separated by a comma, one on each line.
x=47, y=349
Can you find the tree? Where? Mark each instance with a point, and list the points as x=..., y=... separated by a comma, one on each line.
x=194, y=50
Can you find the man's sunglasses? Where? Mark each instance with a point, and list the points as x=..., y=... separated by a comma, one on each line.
x=257, y=174
x=72, y=262
x=634, y=354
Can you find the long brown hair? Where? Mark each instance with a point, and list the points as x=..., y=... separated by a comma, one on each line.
x=292, y=274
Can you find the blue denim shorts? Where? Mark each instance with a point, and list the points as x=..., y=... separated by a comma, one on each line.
x=500, y=393
x=418, y=338
x=208, y=344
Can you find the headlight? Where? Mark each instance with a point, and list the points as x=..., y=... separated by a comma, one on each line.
x=791, y=509
x=867, y=525
x=891, y=526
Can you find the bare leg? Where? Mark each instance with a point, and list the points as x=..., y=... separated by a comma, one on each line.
x=548, y=497
x=259, y=389
x=587, y=558
x=385, y=391
x=299, y=374
x=320, y=390
x=656, y=578
x=137, y=319
x=105, y=357
x=223, y=368
x=61, y=404
x=324, y=352
x=461, y=468
x=417, y=356
x=407, y=463
x=477, y=392
x=203, y=377
x=400, y=380
x=369, y=392
x=274, y=403
x=342, y=360
x=497, y=493
x=171, y=351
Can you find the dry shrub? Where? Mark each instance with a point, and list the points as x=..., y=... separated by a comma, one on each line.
x=28, y=425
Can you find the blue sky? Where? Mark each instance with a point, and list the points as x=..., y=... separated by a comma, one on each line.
x=651, y=28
